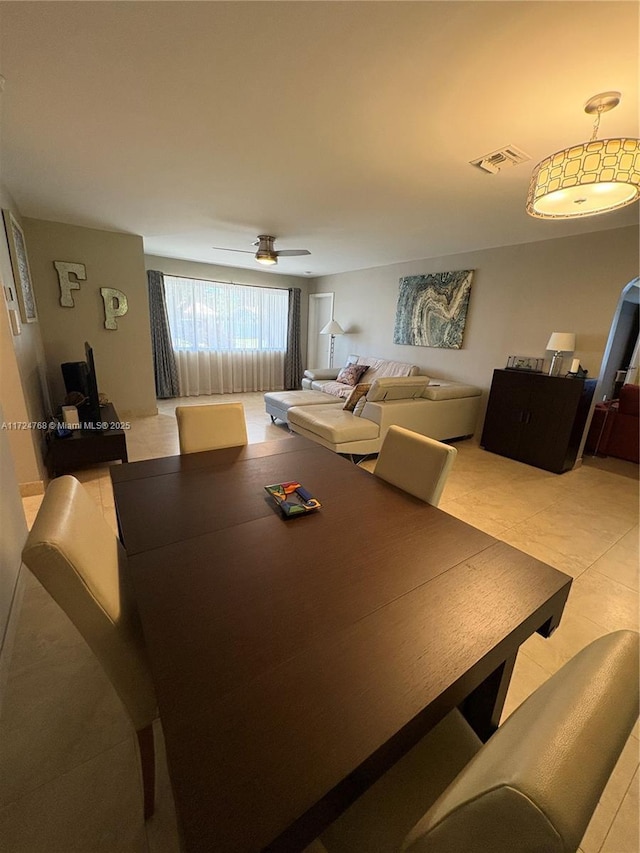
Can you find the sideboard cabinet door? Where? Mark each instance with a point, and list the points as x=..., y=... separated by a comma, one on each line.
x=504, y=421
x=536, y=419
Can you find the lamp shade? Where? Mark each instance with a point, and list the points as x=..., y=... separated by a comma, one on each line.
x=562, y=342
x=589, y=178
x=586, y=179
x=332, y=328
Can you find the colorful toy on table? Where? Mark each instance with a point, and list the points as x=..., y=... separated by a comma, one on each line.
x=293, y=499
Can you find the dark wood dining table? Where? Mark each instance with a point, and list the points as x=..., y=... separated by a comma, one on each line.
x=295, y=660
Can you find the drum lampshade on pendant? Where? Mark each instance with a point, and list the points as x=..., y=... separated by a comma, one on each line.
x=590, y=178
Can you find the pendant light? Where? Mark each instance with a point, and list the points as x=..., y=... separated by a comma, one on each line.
x=589, y=178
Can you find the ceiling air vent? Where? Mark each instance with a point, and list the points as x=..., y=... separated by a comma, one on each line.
x=503, y=158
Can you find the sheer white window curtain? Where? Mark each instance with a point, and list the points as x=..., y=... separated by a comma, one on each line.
x=227, y=337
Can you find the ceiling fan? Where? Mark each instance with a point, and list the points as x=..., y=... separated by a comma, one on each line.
x=266, y=254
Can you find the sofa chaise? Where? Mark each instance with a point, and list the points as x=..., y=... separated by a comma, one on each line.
x=442, y=411
x=328, y=415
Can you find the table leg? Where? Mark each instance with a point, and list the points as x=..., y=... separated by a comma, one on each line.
x=483, y=708
x=120, y=536
x=549, y=626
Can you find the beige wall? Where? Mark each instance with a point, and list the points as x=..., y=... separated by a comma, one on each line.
x=14, y=534
x=520, y=294
x=123, y=357
x=213, y=272
x=22, y=368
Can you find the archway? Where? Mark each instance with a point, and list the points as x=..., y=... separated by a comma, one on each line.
x=622, y=345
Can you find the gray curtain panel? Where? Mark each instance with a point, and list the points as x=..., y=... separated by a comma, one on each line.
x=164, y=362
x=293, y=356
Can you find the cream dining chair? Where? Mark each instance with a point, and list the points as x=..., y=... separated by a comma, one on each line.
x=211, y=427
x=531, y=788
x=415, y=463
x=81, y=563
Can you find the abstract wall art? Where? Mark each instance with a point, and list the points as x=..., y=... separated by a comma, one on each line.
x=432, y=309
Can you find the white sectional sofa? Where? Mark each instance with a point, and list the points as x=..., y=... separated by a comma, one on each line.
x=398, y=394
x=441, y=410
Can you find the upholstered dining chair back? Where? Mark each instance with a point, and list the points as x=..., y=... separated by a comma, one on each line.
x=79, y=560
x=415, y=463
x=531, y=788
x=211, y=426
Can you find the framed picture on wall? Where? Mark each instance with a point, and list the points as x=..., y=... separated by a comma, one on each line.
x=20, y=265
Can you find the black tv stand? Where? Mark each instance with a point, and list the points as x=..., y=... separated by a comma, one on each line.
x=86, y=446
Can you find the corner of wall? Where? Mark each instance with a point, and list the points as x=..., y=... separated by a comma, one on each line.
x=22, y=359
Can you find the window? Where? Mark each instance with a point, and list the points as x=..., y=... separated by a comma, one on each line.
x=213, y=316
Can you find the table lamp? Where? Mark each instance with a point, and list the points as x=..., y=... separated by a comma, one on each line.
x=332, y=328
x=560, y=342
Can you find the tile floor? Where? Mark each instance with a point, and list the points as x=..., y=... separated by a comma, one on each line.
x=68, y=772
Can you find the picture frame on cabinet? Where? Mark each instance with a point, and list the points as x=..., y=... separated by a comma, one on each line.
x=524, y=362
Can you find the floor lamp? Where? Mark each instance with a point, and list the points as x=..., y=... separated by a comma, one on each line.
x=332, y=328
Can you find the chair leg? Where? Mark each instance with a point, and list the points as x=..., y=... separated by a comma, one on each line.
x=148, y=764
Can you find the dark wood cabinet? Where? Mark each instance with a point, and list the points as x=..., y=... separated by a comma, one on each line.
x=537, y=419
x=87, y=446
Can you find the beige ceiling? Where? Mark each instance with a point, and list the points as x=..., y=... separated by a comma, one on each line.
x=341, y=127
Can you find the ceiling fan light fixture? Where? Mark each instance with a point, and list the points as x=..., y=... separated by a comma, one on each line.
x=590, y=178
x=266, y=258
x=266, y=254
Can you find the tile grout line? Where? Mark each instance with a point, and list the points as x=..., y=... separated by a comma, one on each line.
x=66, y=772
x=622, y=798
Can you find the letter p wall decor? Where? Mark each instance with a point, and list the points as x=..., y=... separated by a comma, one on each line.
x=115, y=305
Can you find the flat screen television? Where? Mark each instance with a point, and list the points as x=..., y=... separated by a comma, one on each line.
x=93, y=400
x=80, y=376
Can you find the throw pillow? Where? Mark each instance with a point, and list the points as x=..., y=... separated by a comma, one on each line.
x=351, y=373
x=359, y=391
x=362, y=402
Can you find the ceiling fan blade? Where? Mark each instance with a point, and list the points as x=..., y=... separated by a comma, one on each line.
x=292, y=253
x=226, y=249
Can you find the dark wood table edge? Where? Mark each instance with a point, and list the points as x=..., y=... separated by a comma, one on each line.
x=479, y=695
x=162, y=465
